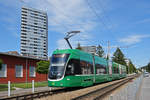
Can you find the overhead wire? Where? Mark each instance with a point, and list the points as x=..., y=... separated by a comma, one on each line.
x=103, y=9
x=99, y=18
x=108, y=19
x=60, y=11
x=69, y=18
x=96, y=14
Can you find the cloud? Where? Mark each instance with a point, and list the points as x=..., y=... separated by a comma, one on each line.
x=62, y=44
x=133, y=39
x=68, y=15
x=143, y=21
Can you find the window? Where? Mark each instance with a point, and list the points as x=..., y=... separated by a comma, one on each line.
x=19, y=71
x=57, y=67
x=23, y=50
x=3, y=71
x=100, y=69
x=32, y=71
x=123, y=69
x=78, y=67
x=86, y=67
x=42, y=30
x=73, y=67
x=116, y=70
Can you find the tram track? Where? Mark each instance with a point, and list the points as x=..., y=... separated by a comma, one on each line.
x=98, y=94
x=31, y=96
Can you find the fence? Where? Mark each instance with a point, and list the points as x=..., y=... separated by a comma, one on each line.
x=9, y=87
x=13, y=89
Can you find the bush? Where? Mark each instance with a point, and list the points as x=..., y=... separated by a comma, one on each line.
x=42, y=67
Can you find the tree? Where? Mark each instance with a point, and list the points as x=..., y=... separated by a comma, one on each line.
x=79, y=46
x=148, y=67
x=1, y=62
x=132, y=68
x=42, y=67
x=100, y=51
x=118, y=57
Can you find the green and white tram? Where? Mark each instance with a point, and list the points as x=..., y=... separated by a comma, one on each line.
x=75, y=68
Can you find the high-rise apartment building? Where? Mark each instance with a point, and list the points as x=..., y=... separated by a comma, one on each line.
x=34, y=33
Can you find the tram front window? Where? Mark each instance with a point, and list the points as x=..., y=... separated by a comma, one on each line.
x=73, y=67
x=57, y=66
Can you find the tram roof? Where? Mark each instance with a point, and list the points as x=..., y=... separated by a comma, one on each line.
x=79, y=54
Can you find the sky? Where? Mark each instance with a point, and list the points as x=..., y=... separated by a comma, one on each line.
x=125, y=23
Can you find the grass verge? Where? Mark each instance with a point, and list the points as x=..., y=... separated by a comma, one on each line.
x=4, y=87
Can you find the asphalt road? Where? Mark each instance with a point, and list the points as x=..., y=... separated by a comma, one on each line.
x=145, y=89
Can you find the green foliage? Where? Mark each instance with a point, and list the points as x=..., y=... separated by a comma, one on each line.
x=29, y=85
x=1, y=62
x=42, y=67
x=107, y=57
x=100, y=51
x=79, y=46
x=148, y=67
x=132, y=68
x=139, y=69
x=118, y=57
x=4, y=87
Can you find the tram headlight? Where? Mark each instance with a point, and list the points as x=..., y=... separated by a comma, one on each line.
x=68, y=79
x=61, y=84
x=53, y=83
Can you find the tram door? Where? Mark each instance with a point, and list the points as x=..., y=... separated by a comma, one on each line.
x=110, y=67
x=94, y=69
x=120, y=71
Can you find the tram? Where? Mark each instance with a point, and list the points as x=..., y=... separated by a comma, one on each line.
x=76, y=68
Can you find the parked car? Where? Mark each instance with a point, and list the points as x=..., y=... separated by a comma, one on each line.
x=146, y=74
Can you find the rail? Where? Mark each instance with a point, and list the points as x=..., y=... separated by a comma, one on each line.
x=34, y=95
x=99, y=93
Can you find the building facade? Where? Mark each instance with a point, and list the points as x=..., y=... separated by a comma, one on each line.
x=16, y=68
x=34, y=33
x=89, y=49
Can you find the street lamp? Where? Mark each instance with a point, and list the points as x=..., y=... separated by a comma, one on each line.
x=69, y=35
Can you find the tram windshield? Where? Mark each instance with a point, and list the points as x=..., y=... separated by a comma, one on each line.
x=57, y=67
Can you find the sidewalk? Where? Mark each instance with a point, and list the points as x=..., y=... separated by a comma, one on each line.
x=22, y=91
x=145, y=89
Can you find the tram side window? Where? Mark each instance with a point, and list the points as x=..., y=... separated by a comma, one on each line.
x=123, y=71
x=116, y=69
x=86, y=67
x=73, y=67
x=100, y=69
